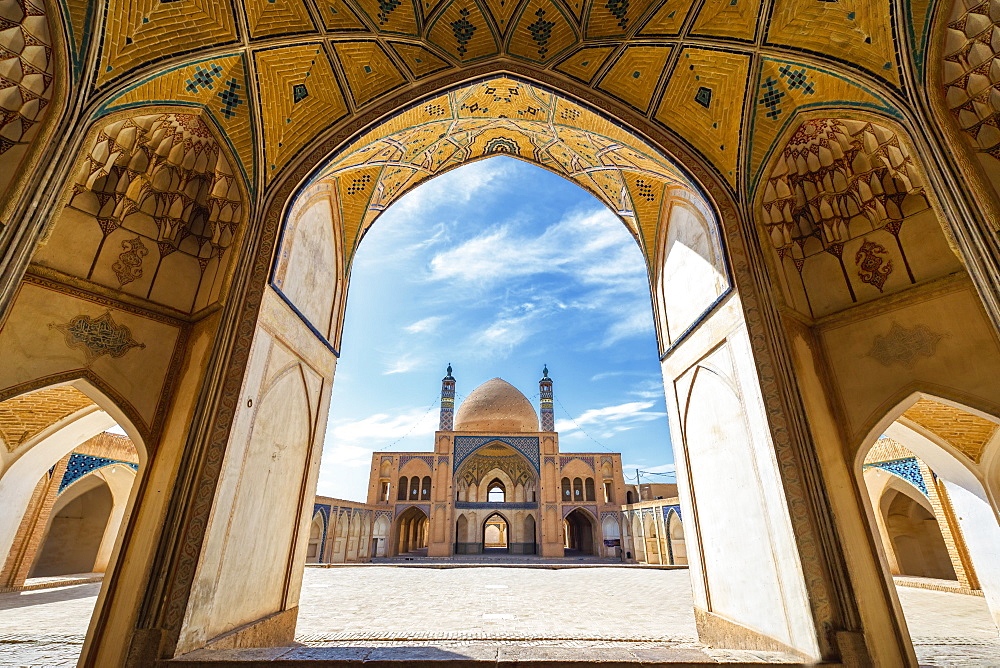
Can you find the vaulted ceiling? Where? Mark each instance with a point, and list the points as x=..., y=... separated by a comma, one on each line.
x=276, y=77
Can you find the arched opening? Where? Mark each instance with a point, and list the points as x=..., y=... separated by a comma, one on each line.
x=68, y=475
x=579, y=533
x=76, y=529
x=567, y=491
x=411, y=532
x=589, y=489
x=425, y=488
x=529, y=543
x=415, y=488
x=380, y=537
x=496, y=534
x=612, y=546
x=496, y=492
x=314, y=551
x=928, y=505
x=677, y=545
x=402, y=489
x=914, y=537
x=629, y=497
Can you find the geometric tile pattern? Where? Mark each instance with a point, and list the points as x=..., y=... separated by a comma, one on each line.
x=702, y=100
x=634, y=75
x=26, y=415
x=140, y=31
x=466, y=445
x=218, y=85
x=418, y=60
x=583, y=64
x=908, y=469
x=478, y=121
x=289, y=124
x=80, y=465
x=463, y=31
x=369, y=71
x=857, y=31
x=542, y=32
x=631, y=50
x=667, y=20
x=614, y=18
x=734, y=19
x=391, y=16
x=783, y=88
x=268, y=18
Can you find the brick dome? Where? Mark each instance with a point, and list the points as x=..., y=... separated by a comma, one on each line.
x=496, y=406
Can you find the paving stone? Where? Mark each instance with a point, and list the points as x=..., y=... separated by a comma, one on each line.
x=377, y=613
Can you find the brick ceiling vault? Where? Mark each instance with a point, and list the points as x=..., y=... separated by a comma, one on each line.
x=280, y=77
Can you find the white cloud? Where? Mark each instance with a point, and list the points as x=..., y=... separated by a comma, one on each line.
x=401, y=364
x=455, y=187
x=619, y=415
x=424, y=326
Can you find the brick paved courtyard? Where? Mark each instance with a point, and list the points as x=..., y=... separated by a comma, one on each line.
x=370, y=605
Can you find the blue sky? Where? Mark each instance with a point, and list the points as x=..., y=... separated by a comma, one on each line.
x=498, y=267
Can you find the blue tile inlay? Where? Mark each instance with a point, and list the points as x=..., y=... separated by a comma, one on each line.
x=466, y=445
x=81, y=465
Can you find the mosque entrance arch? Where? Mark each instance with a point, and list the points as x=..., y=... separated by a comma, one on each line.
x=580, y=533
x=411, y=531
x=496, y=535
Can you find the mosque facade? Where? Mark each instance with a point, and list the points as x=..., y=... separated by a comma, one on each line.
x=496, y=482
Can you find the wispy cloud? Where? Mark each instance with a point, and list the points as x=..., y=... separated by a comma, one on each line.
x=611, y=419
x=401, y=364
x=425, y=326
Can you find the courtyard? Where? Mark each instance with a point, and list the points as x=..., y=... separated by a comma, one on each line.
x=567, y=610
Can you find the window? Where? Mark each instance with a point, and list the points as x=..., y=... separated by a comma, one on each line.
x=425, y=488
x=567, y=494
x=414, y=488
x=629, y=497
x=609, y=492
x=401, y=492
x=383, y=492
x=589, y=487
x=577, y=490
x=496, y=493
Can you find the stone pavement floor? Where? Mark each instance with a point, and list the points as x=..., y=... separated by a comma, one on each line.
x=580, y=609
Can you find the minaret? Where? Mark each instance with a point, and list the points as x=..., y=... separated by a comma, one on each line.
x=545, y=393
x=447, y=402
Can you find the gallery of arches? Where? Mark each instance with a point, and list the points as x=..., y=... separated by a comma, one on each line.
x=781, y=446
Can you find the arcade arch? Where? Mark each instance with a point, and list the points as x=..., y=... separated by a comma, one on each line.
x=410, y=531
x=580, y=533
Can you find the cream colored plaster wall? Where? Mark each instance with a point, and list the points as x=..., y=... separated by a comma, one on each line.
x=879, y=611
x=258, y=503
x=728, y=477
x=34, y=347
x=691, y=278
x=310, y=275
x=948, y=349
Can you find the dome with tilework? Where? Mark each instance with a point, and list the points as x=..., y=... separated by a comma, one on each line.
x=496, y=406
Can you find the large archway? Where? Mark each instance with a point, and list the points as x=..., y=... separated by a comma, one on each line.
x=677, y=96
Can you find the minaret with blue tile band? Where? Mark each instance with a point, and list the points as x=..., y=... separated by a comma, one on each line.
x=447, y=402
x=545, y=394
